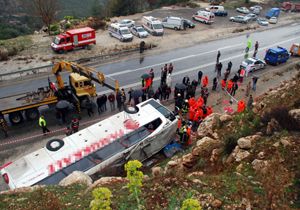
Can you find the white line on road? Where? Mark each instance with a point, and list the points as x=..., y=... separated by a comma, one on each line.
x=202, y=66
x=172, y=61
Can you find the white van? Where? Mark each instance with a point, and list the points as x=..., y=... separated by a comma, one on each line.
x=153, y=25
x=215, y=8
x=204, y=17
x=120, y=32
x=175, y=23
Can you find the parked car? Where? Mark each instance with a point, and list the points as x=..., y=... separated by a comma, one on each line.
x=127, y=22
x=217, y=10
x=262, y=21
x=243, y=10
x=240, y=19
x=255, y=7
x=120, y=32
x=252, y=16
x=175, y=23
x=188, y=23
x=204, y=17
x=253, y=64
x=256, y=11
x=139, y=31
x=273, y=20
x=276, y=55
x=273, y=12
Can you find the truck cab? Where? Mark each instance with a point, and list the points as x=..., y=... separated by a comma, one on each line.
x=295, y=49
x=276, y=55
x=82, y=85
x=62, y=43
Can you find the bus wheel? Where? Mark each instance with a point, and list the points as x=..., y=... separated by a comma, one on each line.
x=15, y=118
x=54, y=144
x=32, y=114
x=131, y=109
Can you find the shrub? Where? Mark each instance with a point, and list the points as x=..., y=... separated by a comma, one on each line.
x=281, y=115
x=101, y=200
x=230, y=143
x=68, y=18
x=54, y=27
x=97, y=24
x=67, y=25
x=3, y=54
x=135, y=178
x=191, y=204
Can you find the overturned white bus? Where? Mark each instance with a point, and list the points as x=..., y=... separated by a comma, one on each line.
x=98, y=149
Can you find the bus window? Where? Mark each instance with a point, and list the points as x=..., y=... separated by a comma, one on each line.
x=109, y=150
x=53, y=179
x=81, y=165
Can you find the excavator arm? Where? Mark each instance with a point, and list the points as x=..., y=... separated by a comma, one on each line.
x=90, y=73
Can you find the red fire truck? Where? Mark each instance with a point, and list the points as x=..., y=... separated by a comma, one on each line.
x=289, y=6
x=75, y=38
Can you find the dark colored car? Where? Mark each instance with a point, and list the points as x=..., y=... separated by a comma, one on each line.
x=188, y=23
x=221, y=13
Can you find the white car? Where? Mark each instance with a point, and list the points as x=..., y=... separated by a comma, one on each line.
x=256, y=7
x=127, y=23
x=273, y=20
x=139, y=31
x=243, y=10
x=253, y=64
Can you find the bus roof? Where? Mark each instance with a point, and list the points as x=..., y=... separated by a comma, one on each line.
x=38, y=165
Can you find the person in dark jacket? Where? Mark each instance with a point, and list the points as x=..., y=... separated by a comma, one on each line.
x=170, y=69
x=200, y=74
x=186, y=80
x=100, y=104
x=219, y=69
x=218, y=56
x=104, y=98
x=75, y=124
x=119, y=100
x=111, y=99
x=229, y=66
x=168, y=92
x=3, y=126
x=215, y=83
x=89, y=107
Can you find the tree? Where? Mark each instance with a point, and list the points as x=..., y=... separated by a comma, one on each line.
x=46, y=10
x=97, y=9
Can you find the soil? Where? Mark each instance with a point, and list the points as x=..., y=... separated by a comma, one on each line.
x=40, y=53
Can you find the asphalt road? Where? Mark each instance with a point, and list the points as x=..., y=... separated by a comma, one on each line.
x=186, y=61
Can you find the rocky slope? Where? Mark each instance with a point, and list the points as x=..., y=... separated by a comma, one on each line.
x=240, y=161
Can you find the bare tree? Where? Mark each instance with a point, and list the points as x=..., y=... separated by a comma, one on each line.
x=46, y=10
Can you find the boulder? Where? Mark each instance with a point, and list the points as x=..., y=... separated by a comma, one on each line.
x=107, y=180
x=285, y=142
x=225, y=118
x=260, y=166
x=241, y=155
x=239, y=168
x=156, y=171
x=205, y=146
x=206, y=127
x=204, y=141
x=188, y=160
x=216, y=203
x=295, y=113
x=244, y=143
x=215, y=154
x=196, y=173
x=261, y=155
x=172, y=164
x=76, y=177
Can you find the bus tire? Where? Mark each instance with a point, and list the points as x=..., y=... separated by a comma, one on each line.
x=15, y=118
x=54, y=144
x=131, y=109
x=32, y=114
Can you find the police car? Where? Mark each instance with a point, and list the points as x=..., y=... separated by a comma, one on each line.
x=252, y=64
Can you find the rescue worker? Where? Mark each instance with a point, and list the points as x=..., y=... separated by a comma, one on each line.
x=205, y=81
x=183, y=134
x=43, y=124
x=229, y=86
x=178, y=102
x=242, y=74
x=223, y=84
x=75, y=124
x=185, y=107
x=3, y=126
x=241, y=106
x=234, y=88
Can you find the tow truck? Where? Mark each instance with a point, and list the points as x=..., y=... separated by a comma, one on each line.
x=25, y=105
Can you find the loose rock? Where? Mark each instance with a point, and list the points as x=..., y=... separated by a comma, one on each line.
x=76, y=177
x=244, y=143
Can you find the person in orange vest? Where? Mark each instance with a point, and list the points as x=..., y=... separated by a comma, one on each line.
x=192, y=102
x=209, y=110
x=223, y=84
x=192, y=112
x=241, y=106
x=198, y=115
x=229, y=86
x=189, y=141
x=200, y=102
x=242, y=74
x=205, y=81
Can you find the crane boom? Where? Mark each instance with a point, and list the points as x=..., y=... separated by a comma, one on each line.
x=87, y=72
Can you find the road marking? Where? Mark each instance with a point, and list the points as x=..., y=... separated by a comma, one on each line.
x=202, y=66
x=172, y=60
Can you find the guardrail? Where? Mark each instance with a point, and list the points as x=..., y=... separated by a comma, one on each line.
x=43, y=69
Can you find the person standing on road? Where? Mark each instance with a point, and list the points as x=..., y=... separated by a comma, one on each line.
x=151, y=73
x=219, y=69
x=169, y=80
x=218, y=56
x=186, y=80
x=111, y=99
x=89, y=107
x=200, y=73
x=250, y=103
x=255, y=49
x=104, y=98
x=254, y=81
x=215, y=83
x=99, y=104
x=170, y=69
x=75, y=124
x=43, y=124
x=229, y=66
x=3, y=126
x=118, y=98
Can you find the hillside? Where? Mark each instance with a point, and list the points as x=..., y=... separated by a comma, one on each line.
x=240, y=161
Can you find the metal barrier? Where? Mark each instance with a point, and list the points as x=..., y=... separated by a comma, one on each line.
x=44, y=69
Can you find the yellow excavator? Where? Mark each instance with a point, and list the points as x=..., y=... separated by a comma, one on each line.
x=80, y=82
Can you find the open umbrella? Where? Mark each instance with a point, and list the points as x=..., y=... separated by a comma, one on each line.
x=136, y=93
x=180, y=86
x=63, y=104
x=145, y=76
